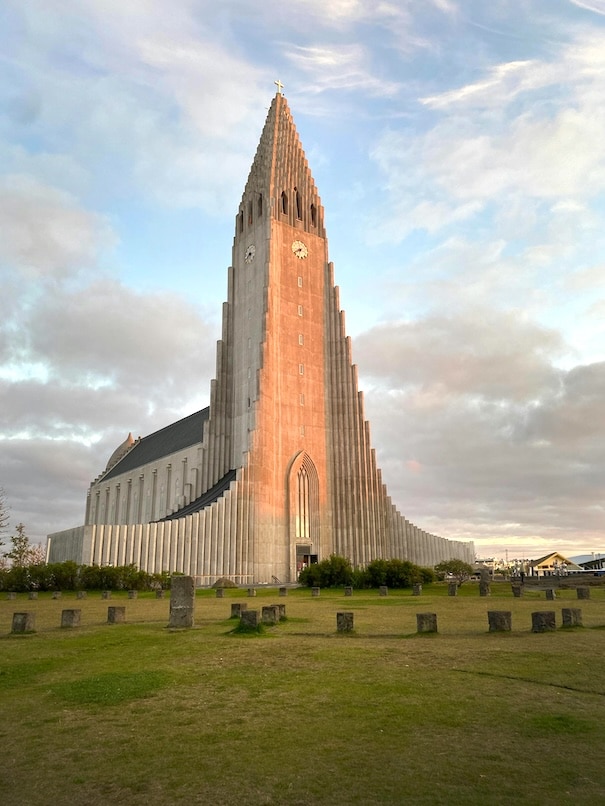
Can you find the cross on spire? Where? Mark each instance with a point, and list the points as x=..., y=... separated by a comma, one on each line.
x=280, y=86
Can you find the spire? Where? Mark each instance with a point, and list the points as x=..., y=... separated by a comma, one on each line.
x=280, y=173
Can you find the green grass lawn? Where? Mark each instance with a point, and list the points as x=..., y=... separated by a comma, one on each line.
x=137, y=714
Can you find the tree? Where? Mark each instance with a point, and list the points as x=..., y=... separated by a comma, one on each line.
x=460, y=570
x=22, y=552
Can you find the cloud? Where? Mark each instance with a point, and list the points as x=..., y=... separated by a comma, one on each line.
x=479, y=434
x=598, y=6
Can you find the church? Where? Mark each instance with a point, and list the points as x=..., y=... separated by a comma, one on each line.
x=278, y=471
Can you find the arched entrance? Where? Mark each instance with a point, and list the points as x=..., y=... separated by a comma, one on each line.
x=303, y=501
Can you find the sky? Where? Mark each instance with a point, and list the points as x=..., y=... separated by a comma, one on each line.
x=459, y=152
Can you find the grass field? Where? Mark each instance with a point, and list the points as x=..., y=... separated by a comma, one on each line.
x=137, y=714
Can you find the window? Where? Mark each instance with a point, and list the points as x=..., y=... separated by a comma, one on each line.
x=300, y=310
x=302, y=430
x=259, y=205
x=241, y=221
x=313, y=215
x=302, y=400
x=298, y=205
x=300, y=282
x=284, y=203
x=249, y=213
x=301, y=369
x=301, y=339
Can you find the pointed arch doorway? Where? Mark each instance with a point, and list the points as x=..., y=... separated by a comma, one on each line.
x=303, y=500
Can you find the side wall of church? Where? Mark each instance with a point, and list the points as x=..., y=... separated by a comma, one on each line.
x=148, y=492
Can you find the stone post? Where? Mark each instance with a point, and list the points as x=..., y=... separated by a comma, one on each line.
x=251, y=591
x=452, y=589
x=106, y=595
x=499, y=620
x=517, y=590
x=314, y=591
x=80, y=594
x=543, y=621
x=383, y=590
x=270, y=614
x=484, y=588
x=56, y=594
x=283, y=591
x=571, y=616
x=426, y=622
x=237, y=608
x=70, y=618
x=348, y=590
x=249, y=618
x=344, y=622
x=11, y=596
x=116, y=615
x=24, y=622
x=182, y=601
x=160, y=594
x=417, y=589
x=133, y=594
x=281, y=611
x=583, y=593
x=220, y=593
x=33, y=595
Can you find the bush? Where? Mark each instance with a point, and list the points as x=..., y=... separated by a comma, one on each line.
x=334, y=572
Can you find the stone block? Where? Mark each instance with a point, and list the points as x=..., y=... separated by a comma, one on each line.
x=484, y=588
x=417, y=589
x=499, y=620
x=237, y=608
x=281, y=610
x=283, y=591
x=220, y=593
x=551, y=594
x=315, y=591
x=344, y=622
x=116, y=615
x=56, y=594
x=161, y=594
x=583, y=593
x=251, y=591
x=80, y=594
x=11, y=595
x=182, y=601
x=133, y=594
x=543, y=621
x=426, y=622
x=348, y=590
x=452, y=589
x=32, y=595
x=249, y=618
x=106, y=595
x=24, y=622
x=383, y=590
x=70, y=618
x=571, y=617
x=517, y=591
x=270, y=614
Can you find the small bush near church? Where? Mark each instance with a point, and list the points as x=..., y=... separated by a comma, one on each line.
x=337, y=572
x=71, y=576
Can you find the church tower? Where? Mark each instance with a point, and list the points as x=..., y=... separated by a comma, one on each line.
x=279, y=470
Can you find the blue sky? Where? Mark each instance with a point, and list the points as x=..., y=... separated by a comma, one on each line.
x=458, y=148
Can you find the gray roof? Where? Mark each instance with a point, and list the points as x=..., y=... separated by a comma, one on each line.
x=172, y=438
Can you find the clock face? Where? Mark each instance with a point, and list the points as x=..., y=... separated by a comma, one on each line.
x=250, y=252
x=299, y=249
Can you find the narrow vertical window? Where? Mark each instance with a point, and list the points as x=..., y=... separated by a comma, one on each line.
x=301, y=339
x=301, y=369
x=241, y=221
x=302, y=400
x=313, y=215
x=300, y=310
x=300, y=282
x=249, y=213
x=298, y=205
x=259, y=205
x=284, y=203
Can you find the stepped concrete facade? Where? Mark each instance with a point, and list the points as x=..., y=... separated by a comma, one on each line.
x=278, y=471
